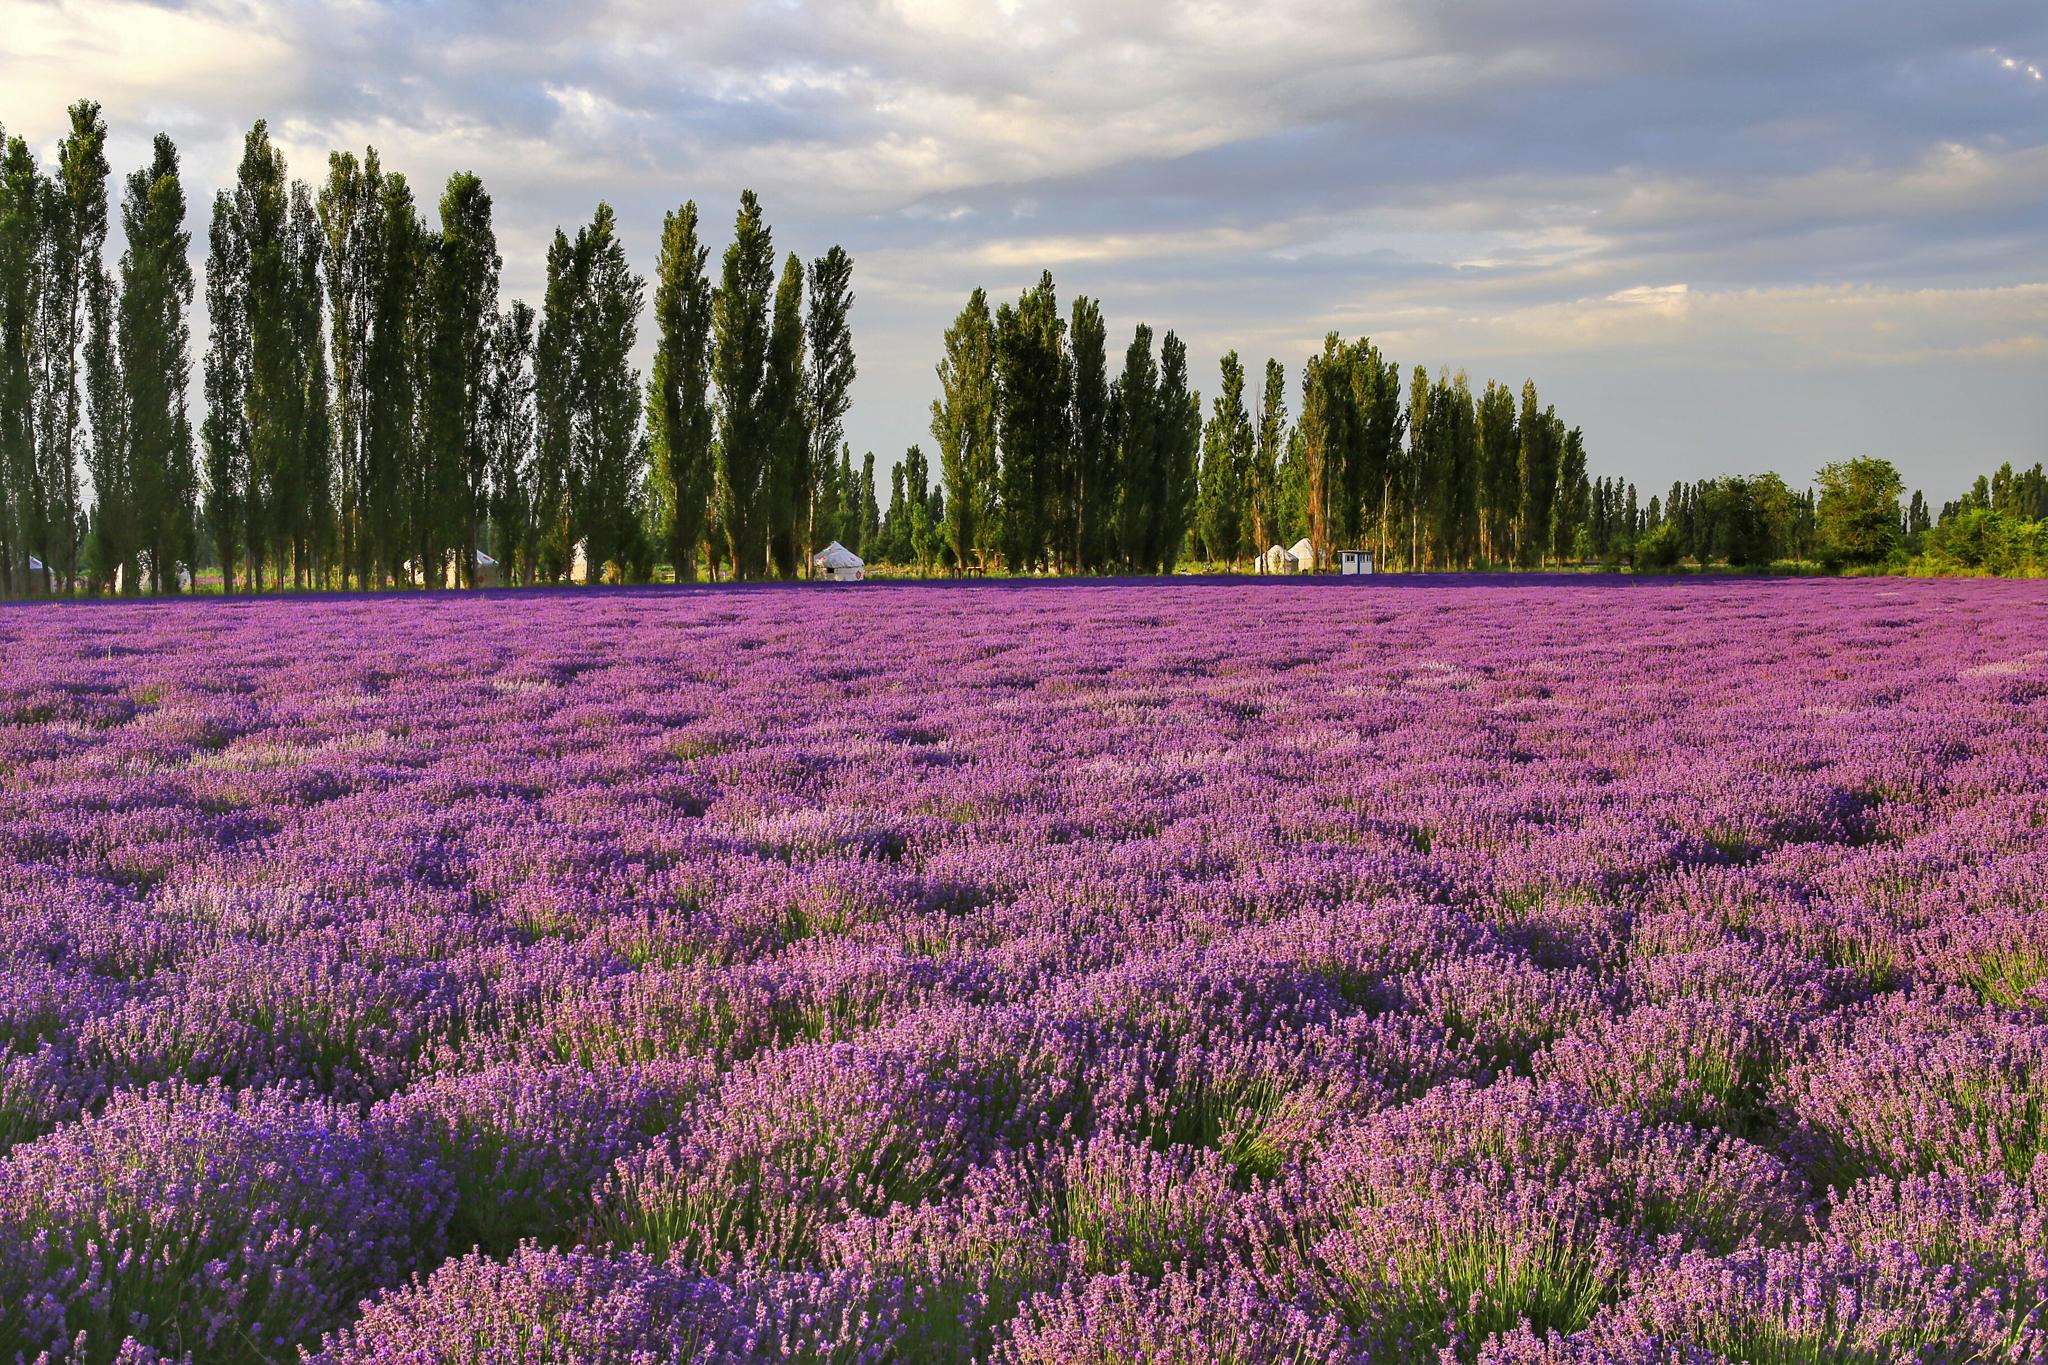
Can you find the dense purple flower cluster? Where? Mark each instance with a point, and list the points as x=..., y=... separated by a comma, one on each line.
x=1270, y=973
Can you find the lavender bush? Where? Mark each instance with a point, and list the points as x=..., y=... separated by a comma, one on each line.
x=1539, y=974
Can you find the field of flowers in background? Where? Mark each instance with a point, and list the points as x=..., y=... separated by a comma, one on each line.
x=1273, y=972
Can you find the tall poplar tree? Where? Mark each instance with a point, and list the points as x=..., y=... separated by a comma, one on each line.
x=395, y=296
x=1136, y=405
x=1325, y=441
x=1500, y=454
x=508, y=436
x=964, y=425
x=1269, y=443
x=1032, y=375
x=608, y=457
x=350, y=216
x=448, y=487
x=828, y=387
x=21, y=267
x=1180, y=445
x=1538, y=468
x=74, y=232
x=740, y=326
x=225, y=429
x=1092, y=481
x=787, y=484
x=155, y=340
x=1227, y=447
x=679, y=417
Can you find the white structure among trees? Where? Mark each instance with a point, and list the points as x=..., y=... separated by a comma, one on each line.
x=839, y=565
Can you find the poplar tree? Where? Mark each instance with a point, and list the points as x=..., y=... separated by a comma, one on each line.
x=1227, y=444
x=1538, y=469
x=1090, y=517
x=154, y=340
x=1180, y=445
x=608, y=458
x=964, y=425
x=111, y=545
x=1270, y=442
x=1500, y=453
x=1325, y=436
x=21, y=262
x=740, y=323
x=74, y=231
x=679, y=392
x=828, y=387
x=225, y=429
x=462, y=305
x=349, y=217
x=1032, y=375
x=508, y=423
x=1569, y=519
x=395, y=289
x=1136, y=405
x=787, y=484
x=1373, y=450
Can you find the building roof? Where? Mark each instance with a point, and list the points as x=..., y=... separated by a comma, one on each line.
x=837, y=556
x=1301, y=549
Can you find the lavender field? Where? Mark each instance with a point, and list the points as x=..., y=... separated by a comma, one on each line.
x=1256, y=973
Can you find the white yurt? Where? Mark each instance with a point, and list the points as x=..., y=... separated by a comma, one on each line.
x=838, y=564
x=486, y=572
x=1277, y=560
x=1304, y=555
x=579, y=567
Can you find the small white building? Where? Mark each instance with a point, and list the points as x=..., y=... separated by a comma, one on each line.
x=486, y=571
x=1304, y=556
x=839, y=565
x=39, y=575
x=1278, y=560
x=1354, y=562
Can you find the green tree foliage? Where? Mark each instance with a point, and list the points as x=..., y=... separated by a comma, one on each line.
x=1500, y=460
x=1226, y=479
x=225, y=430
x=1135, y=402
x=1541, y=445
x=1032, y=372
x=74, y=230
x=1091, y=467
x=679, y=414
x=828, y=382
x=450, y=487
x=964, y=425
x=1858, y=512
x=606, y=454
x=740, y=314
x=350, y=218
x=21, y=282
x=1180, y=446
x=508, y=429
x=155, y=365
x=395, y=268
x=1270, y=442
x=786, y=425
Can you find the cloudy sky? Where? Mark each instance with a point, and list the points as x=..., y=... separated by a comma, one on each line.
x=1721, y=235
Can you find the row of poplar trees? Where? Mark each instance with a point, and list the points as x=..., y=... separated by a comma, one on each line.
x=373, y=416
x=1046, y=463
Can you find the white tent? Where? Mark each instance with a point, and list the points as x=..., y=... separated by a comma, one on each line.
x=579, y=567
x=1277, y=560
x=1304, y=555
x=838, y=564
x=486, y=572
